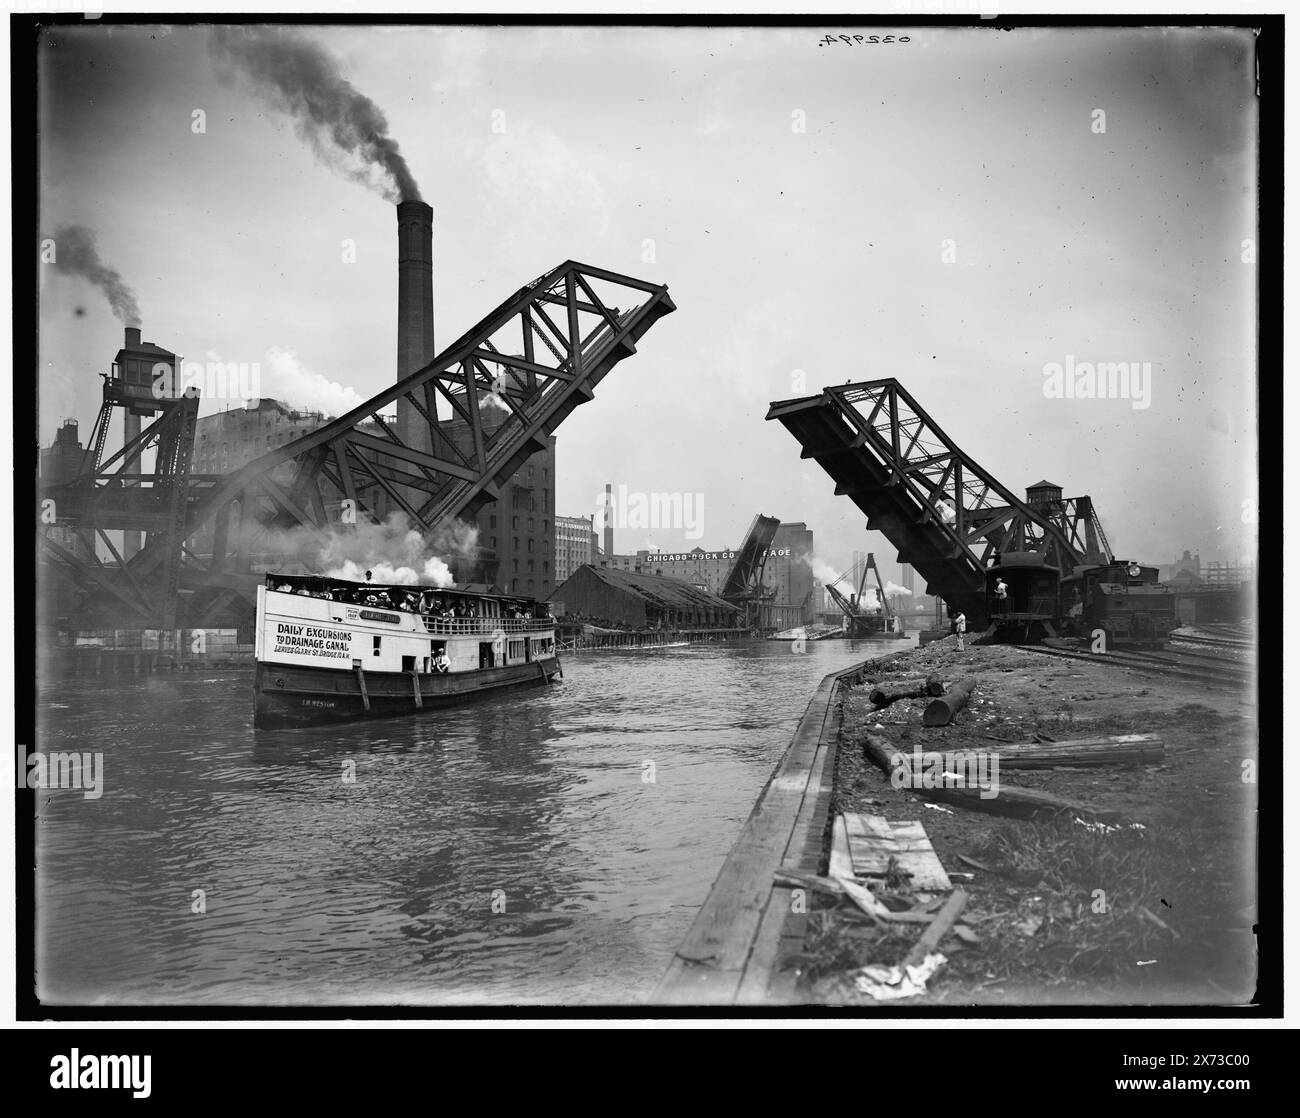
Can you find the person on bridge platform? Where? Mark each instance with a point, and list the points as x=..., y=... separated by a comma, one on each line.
x=1000, y=589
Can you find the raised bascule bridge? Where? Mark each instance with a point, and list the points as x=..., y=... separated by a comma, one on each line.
x=465, y=421
x=743, y=586
x=945, y=513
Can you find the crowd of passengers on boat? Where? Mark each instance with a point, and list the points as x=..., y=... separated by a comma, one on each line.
x=430, y=603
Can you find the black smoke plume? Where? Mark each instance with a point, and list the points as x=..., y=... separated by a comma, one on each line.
x=344, y=128
x=75, y=254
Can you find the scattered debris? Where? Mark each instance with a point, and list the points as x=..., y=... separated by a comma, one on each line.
x=1029, y=925
x=1146, y=912
x=942, y=924
x=887, y=984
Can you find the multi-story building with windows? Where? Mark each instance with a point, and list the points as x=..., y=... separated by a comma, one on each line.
x=575, y=544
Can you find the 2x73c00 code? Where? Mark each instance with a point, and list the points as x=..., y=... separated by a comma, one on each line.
x=864, y=40
x=1218, y=1059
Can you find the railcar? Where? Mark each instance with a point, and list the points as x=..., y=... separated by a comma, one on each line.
x=1124, y=600
x=1027, y=599
x=1022, y=595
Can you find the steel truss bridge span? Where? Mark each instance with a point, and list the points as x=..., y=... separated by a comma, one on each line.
x=944, y=512
x=480, y=409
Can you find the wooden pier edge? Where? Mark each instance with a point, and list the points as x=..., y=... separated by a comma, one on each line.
x=746, y=925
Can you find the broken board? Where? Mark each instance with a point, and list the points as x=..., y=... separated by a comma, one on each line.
x=868, y=842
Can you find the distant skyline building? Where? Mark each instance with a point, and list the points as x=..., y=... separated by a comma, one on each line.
x=575, y=544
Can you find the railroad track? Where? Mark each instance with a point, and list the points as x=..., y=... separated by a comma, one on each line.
x=1214, y=642
x=1226, y=674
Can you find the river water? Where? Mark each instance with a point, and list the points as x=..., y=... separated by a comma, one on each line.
x=548, y=848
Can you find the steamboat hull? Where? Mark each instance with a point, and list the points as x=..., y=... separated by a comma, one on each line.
x=292, y=695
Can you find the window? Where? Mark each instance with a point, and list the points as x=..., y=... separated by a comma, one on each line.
x=530, y=548
x=514, y=523
x=492, y=521
x=532, y=525
x=494, y=543
x=376, y=641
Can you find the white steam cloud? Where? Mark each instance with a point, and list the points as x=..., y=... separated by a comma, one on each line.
x=894, y=588
x=822, y=571
x=394, y=552
x=286, y=379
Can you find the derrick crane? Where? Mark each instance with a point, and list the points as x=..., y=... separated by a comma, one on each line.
x=530, y=362
x=858, y=622
x=946, y=514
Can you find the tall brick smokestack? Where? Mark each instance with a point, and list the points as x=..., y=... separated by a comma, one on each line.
x=415, y=347
x=609, y=524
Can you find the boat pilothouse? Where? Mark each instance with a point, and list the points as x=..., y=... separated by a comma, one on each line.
x=330, y=650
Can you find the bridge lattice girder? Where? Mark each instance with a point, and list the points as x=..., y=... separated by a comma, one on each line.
x=535, y=358
x=744, y=582
x=944, y=512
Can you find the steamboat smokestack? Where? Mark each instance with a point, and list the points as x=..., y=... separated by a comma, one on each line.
x=414, y=309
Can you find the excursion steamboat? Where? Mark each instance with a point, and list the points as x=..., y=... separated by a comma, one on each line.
x=329, y=650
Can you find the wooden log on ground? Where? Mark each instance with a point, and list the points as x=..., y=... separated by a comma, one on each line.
x=882, y=694
x=1021, y=803
x=938, y=928
x=939, y=711
x=1125, y=749
x=1120, y=749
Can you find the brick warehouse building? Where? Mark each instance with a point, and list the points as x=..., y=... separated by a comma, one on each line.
x=607, y=596
x=787, y=573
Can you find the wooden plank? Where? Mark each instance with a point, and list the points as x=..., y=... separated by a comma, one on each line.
x=927, y=871
x=841, y=862
x=365, y=695
x=874, y=841
x=929, y=941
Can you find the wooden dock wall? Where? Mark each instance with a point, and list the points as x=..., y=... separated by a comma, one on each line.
x=732, y=952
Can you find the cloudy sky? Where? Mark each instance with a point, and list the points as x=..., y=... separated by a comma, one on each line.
x=947, y=211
